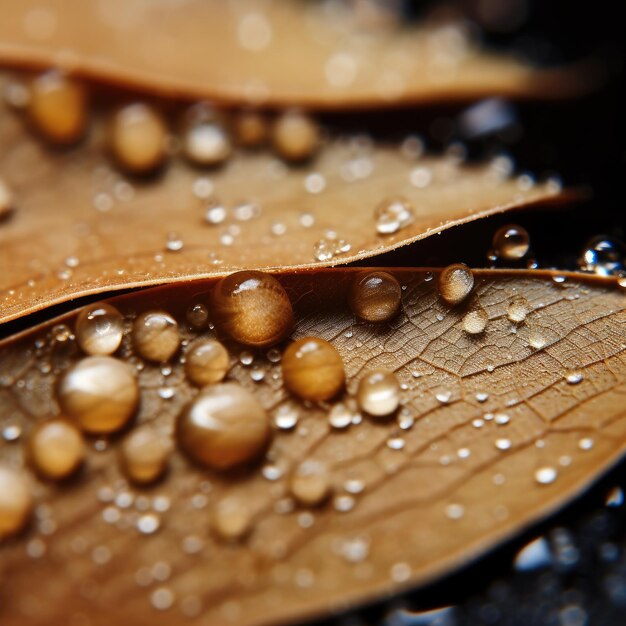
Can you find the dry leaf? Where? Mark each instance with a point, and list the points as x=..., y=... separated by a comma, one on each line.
x=281, y=52
x=497, y=434
x=80, y=227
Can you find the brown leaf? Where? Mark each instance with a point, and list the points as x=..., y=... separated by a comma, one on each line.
x=81, y=228
x=293, y=53
x=503, y=434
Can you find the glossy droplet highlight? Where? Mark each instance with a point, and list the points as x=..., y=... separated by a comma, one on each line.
x=392, y=214
x=312, y=369
x=511, y=243
x=375, y=296
x=231, y=520
x=57, y=108
x=99, y=329
x=205, y=138
x=603, y=255
x=197, y=316
x=475, y=322
x=252, y=308
x=143, y=455
x=16, y=501
x=378, y=393
x=56, y=449
x=546, y=475
x=518, y=309
x=155, y=336
x=223, y=426
x=137, y=138
x=295, y=136
x=455, y=283
x=310, y=484
x=206, y=362
x=100, y=394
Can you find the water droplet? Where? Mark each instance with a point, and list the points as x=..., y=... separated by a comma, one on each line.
x=354, y=549
x=215, y=214
x=205, y=140
x=99, y=329
x=340, y=416
x=310, y=484
x=443, y=396
x=392, y=214
x=604, y=256
x=534, y=555
x=286, y=417
x=378, y=393
x=231, y=520
x=137, y=138
x=395, y=443
x=148, y=524
x=173, y=243
x=56, y=448
x=206, y=362
x=586, y=443
x=315, y=183
x=16, y=501
x=511, y=243
x=144, y=455
x=162, y=598
x=518, y=309
x=503, y=444
x=252, y=308
x=455, y=511
x=573, y=378
x=482, y=397
x=375, y=296
x=223, y=426
x=343, y=504
x=57, y=108
x=546, y=475
x=501, y=419
x=475, y=322
x=421, y=177
x=295, y=136
x=100, y=394
x=536, y=340
x=155, y=336
x=313, y=369
x=197, y=316
x=455, y=283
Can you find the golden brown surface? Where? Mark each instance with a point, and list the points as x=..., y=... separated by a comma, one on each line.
x=80, y=227
x=278, y=52
x=412, y=498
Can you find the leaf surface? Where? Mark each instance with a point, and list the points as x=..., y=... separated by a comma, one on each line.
x=418, y=500
x=79, y=227
x=269, y=53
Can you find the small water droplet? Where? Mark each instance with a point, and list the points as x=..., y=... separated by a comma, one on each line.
x=503, y=444
x=546, y=475
x=340, y=416
x=518, y=309
x=475, y=322
x=392, y=214
x=511, y=243
x=455, y=511
x=573, y=378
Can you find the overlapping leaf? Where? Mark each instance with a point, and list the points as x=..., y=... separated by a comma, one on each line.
x=482, y=414
x=79, y=227
x=271, y=53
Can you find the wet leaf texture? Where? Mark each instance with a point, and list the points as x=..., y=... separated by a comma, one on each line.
x=79, y=227
x=495, y=431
